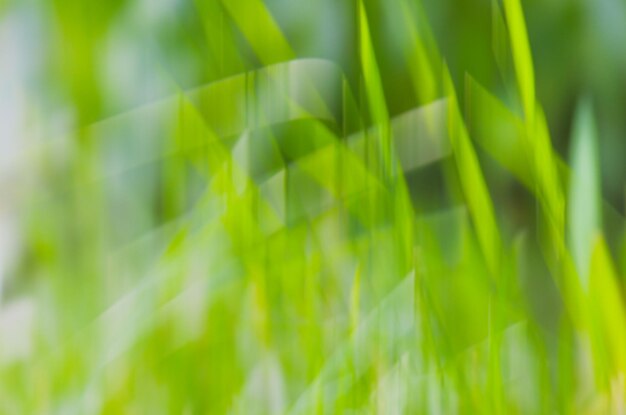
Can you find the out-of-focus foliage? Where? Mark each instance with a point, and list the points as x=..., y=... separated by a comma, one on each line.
x=292, y=206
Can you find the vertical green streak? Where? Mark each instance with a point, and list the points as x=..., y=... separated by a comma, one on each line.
x=373, y=88
x=473, y=183
x=584, y=194
x=521, y=56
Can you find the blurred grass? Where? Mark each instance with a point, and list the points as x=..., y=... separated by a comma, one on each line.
x=252, y=206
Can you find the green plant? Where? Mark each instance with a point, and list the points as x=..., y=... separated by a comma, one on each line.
x=305, y=232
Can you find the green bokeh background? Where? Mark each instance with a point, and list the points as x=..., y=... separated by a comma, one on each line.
x=290, y=206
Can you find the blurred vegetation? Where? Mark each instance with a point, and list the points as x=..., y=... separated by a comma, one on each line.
x=288, y=206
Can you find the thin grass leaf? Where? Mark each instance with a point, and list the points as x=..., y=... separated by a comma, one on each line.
x=473, y=183
x=260, y=30
x=521, y=56
x=584, y=194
